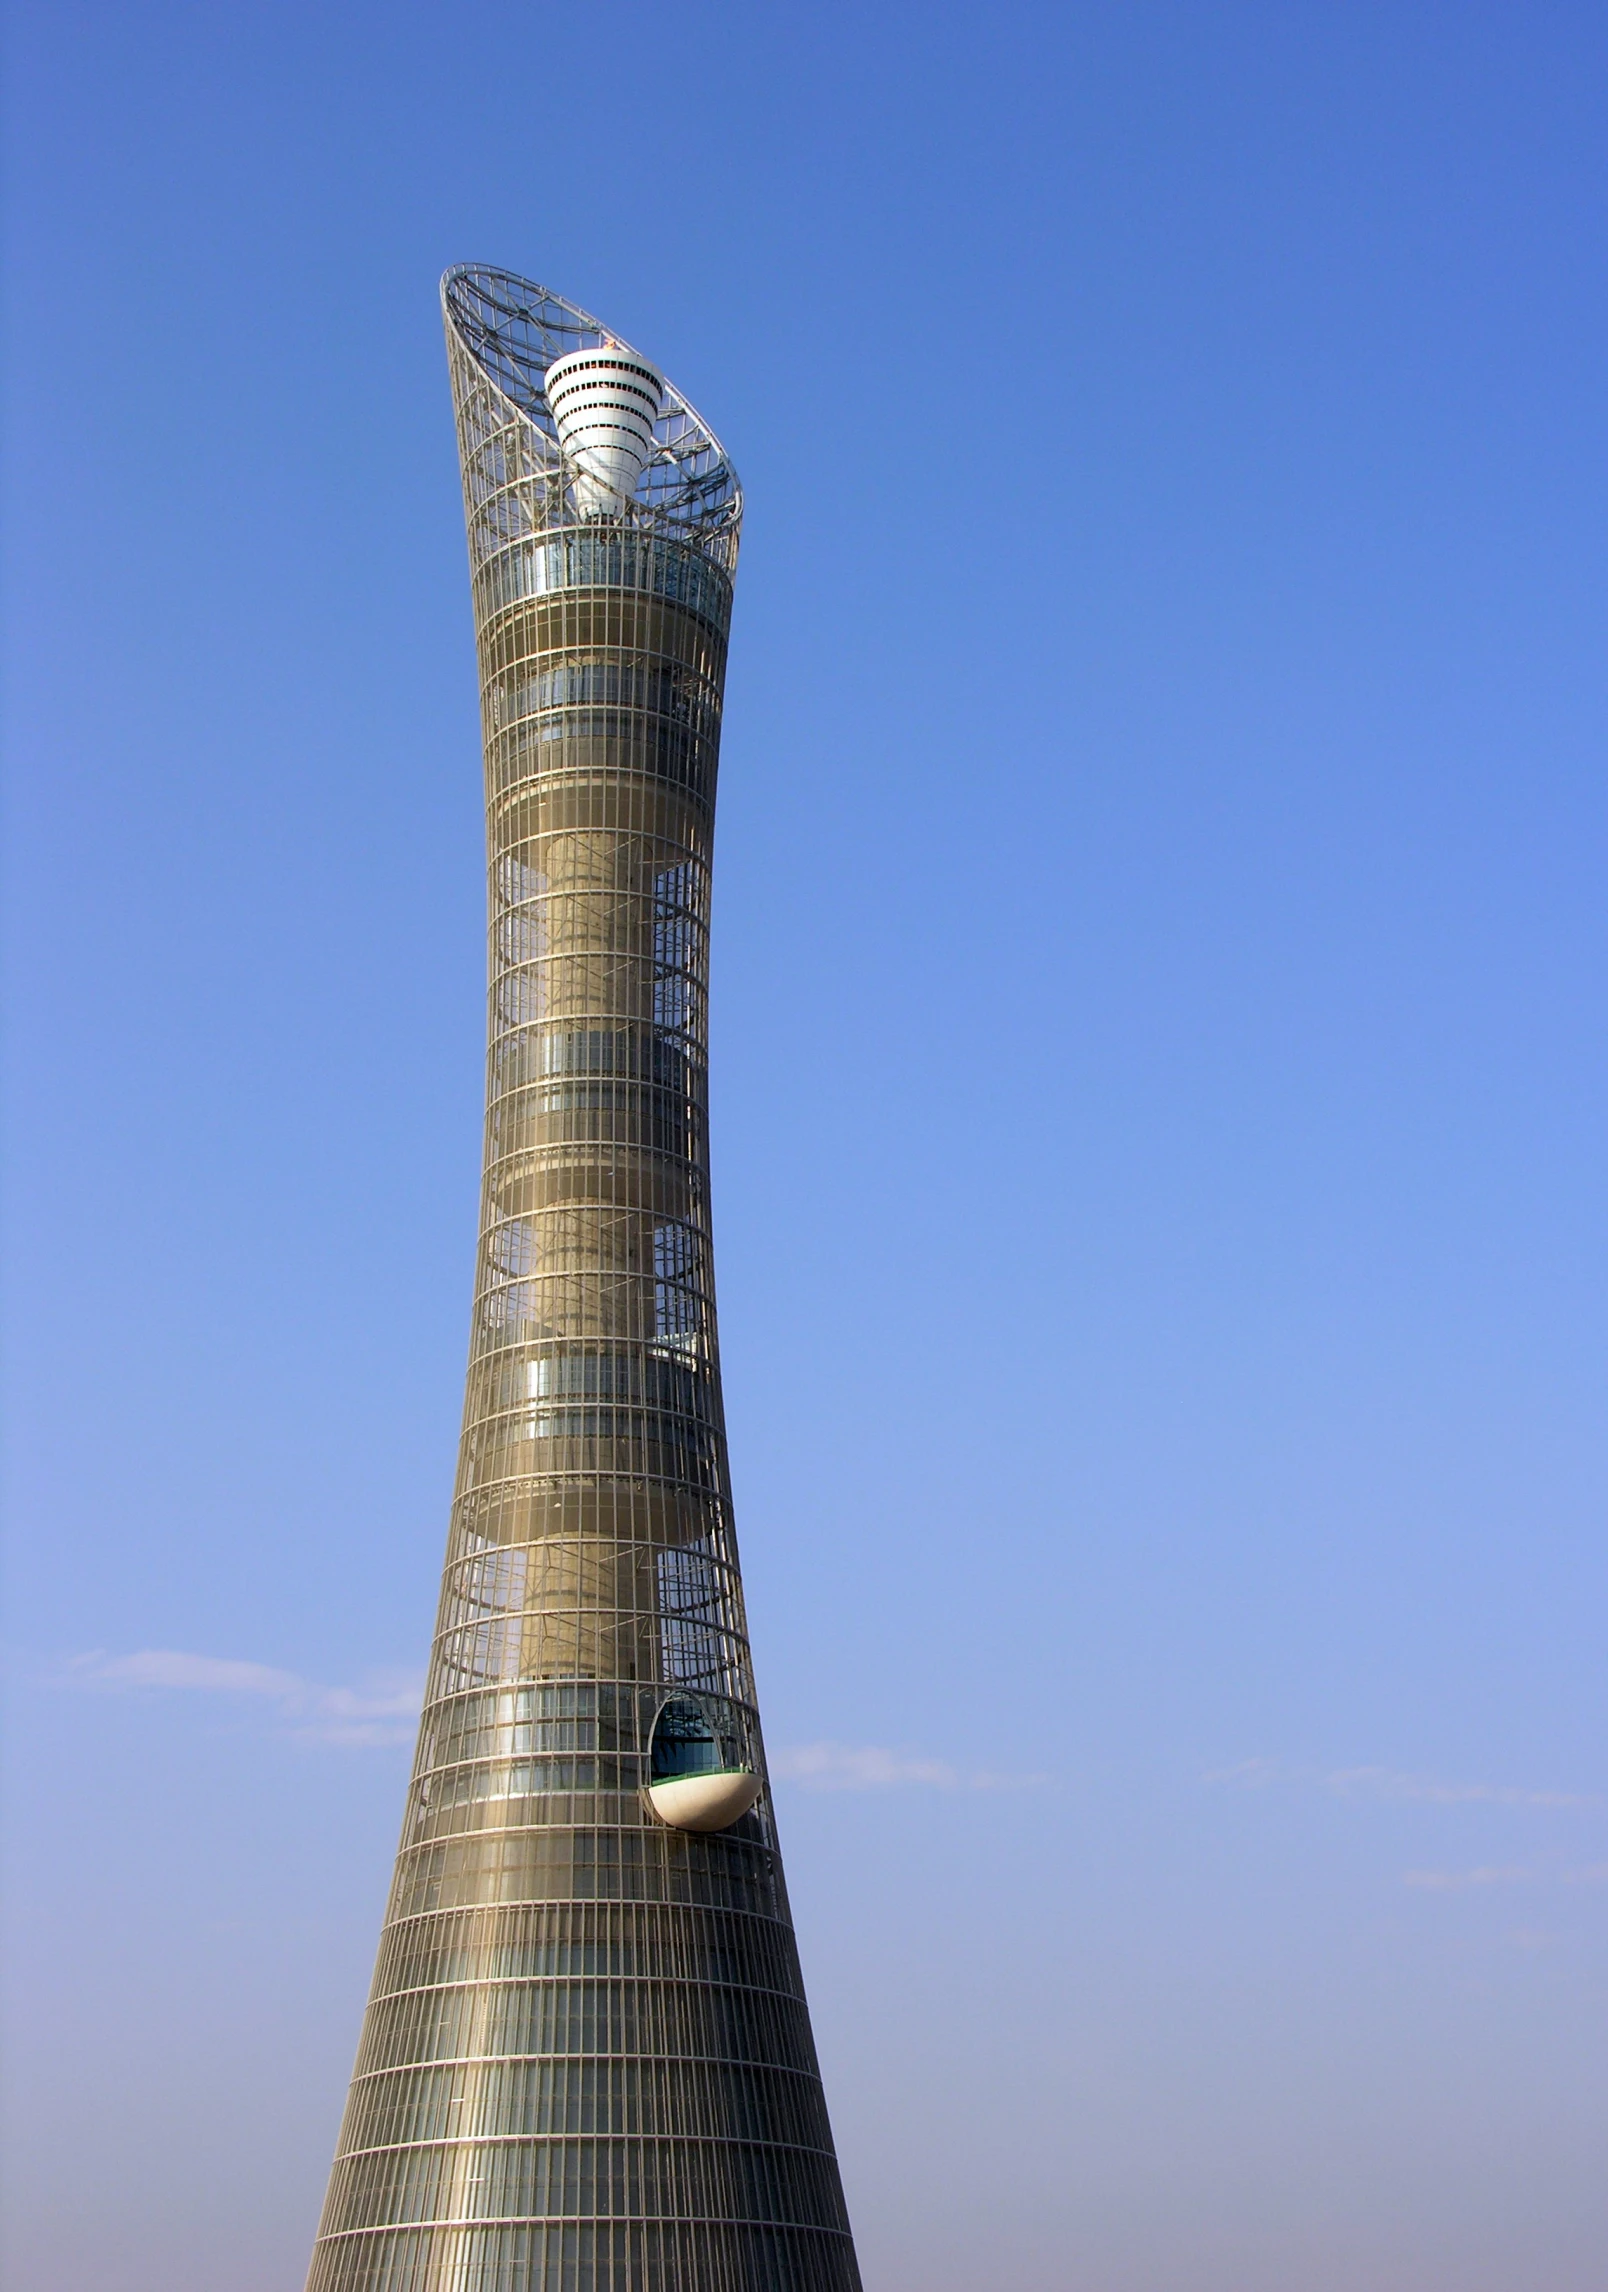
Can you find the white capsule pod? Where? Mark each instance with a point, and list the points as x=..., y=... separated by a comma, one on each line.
x=604, y=403
x=713, y=1800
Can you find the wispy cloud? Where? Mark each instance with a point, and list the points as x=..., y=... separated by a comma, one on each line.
x=1505, y=1874
x=1390, y=1786
x=1455, y=1881
x=842, y=1767
x=1248, y=1774
x=383, y=1710
x=1429, y=1790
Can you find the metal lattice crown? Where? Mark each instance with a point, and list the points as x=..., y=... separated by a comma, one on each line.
x=513, y=331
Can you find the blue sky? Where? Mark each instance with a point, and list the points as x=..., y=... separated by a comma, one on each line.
x=1158, y=1097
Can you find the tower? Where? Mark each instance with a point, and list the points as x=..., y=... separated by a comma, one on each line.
x=586, y=2063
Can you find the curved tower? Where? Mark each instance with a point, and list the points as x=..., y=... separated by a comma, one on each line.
x=586, y=2064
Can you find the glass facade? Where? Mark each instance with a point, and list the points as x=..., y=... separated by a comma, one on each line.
x=586, y=2064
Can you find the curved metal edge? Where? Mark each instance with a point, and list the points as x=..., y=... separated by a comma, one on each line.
x=531, y=403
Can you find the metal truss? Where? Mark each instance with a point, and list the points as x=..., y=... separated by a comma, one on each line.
x=507, y=333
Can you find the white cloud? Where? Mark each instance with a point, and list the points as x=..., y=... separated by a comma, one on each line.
x=841, y=1767
x=1246, y=1774
x=384, y=1710
x=1392, y=1786
x=1453, y=1881
x=1505, y=1874
x=1387, y=1783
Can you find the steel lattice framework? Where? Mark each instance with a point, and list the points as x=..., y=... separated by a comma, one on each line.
x=587, y=2060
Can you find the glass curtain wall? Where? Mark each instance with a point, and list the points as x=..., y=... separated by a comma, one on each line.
x=587, y=2059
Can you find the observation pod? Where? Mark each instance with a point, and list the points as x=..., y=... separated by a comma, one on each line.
x=586, y=2063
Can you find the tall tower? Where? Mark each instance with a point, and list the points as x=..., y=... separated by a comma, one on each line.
x=586, y=2064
